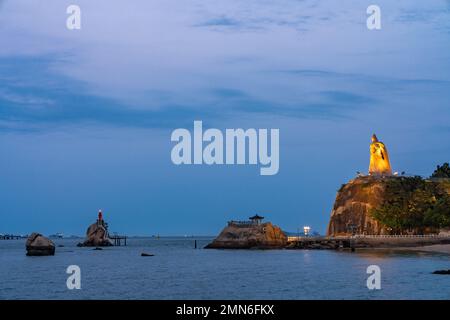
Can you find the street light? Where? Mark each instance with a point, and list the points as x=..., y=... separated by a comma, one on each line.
x=306, y=230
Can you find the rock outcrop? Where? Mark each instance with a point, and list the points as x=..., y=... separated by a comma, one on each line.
x=353, y=203
x=248, y=235
x=97, y=235
x=441, y=272
x=38, y=245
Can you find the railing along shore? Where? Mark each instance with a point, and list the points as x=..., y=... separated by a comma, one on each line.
x=401, y=236
x=368, y=236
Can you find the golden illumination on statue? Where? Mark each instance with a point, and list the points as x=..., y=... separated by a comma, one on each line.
x=379, y=158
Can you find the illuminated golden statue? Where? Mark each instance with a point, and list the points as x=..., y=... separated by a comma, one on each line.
x=379, y=158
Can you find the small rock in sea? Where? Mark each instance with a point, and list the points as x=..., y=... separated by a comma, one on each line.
x=60, y=246
x=442, y=272
x=143, y=254
x=97, y=234
x=38, y=245
x=97, y=248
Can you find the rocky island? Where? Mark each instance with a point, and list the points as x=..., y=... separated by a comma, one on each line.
x=371, y=205
x=38, y=245
x=97, y=234
x=252, y=234
x=385, y=203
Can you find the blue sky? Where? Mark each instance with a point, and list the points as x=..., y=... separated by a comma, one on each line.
x=86, y=115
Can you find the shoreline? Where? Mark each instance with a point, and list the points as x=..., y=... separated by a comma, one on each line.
x=435, y=248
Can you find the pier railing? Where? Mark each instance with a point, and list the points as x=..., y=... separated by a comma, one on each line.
x=401, y=236
x=118, y=239
x=374, y=236
x=240, y=223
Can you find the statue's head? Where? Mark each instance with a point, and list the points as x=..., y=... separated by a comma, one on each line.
x=374, y=138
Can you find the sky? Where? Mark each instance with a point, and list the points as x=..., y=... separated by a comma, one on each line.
x=86, y=115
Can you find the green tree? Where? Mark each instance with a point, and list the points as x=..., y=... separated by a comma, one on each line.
x=413, y=204
x=442, y=171
x=397, y=211
x=438, y=215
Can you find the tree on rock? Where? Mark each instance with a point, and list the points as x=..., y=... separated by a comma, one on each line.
x=414, y=205
x=442, y=171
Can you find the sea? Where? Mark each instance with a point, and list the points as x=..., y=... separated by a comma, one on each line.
x=178, y=270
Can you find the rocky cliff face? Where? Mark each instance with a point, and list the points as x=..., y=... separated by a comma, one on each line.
x=238, y=236
x=355, y=200
x=353, y=203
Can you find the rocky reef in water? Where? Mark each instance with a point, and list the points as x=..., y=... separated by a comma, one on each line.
x=97, y=236
x=38, y=245
x=249, y=236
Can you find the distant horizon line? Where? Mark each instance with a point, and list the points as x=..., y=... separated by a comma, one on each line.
x=54, y=235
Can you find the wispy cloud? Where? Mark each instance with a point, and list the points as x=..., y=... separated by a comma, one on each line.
x=306, y=59
x=25, y=99
x=329, y=105
x=221, y=21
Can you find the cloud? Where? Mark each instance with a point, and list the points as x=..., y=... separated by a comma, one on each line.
x=361, y=78
x=27, y=100
x=34, y=96
x=307, y=59
x=329, y=105
x=221, y=21
x=258, y=21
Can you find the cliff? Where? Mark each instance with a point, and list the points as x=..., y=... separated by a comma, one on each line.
x=247, y=236
x=354, y=201
x=352, y=205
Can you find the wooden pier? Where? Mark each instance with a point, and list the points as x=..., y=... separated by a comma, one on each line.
x=118, y=240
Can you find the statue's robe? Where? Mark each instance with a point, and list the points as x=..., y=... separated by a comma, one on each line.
x=379, y=159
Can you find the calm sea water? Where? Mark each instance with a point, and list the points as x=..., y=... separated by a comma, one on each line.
x=178, y=271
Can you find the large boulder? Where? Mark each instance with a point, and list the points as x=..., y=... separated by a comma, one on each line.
x=38, y=245
x=97, y=236
x=247, y=236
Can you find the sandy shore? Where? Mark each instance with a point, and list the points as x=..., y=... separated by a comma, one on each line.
x=439, y=248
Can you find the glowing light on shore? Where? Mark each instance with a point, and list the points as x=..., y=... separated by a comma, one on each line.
x=306, y=230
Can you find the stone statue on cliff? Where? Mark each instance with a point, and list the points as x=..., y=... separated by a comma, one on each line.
x=379, y=158
x=355, y=199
